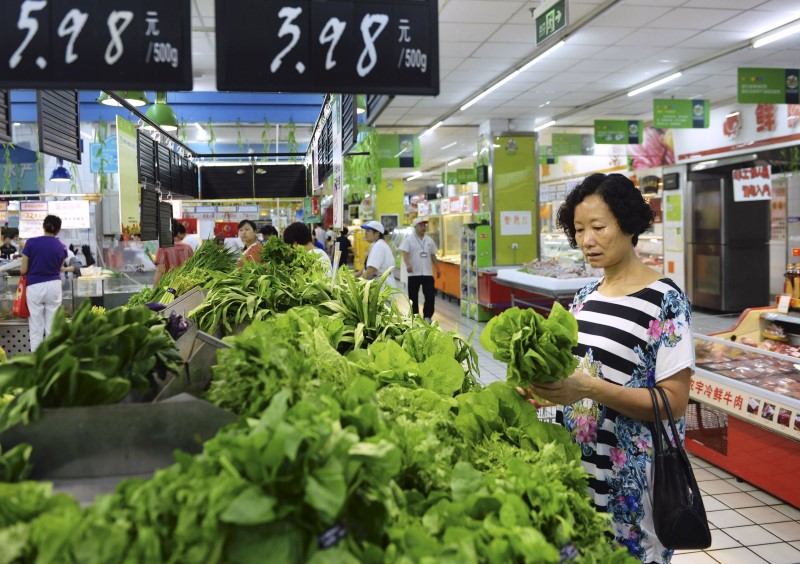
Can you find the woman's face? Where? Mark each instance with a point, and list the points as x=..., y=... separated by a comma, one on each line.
x=247, y=234
x=371, y=235
x=598, y=234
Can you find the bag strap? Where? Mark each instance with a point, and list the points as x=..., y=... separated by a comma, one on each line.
x=658, y=428
x=678, y=448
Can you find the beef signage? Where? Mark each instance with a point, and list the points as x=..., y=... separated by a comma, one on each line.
x=752, y=183
x=96, y=44
x=348, y=46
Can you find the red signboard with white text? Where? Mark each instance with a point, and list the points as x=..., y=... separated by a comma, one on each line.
x=752, y=183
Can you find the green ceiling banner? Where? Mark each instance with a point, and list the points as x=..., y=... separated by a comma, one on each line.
x=127, y=162
x=572, y=144
x=449, y=178
x=768, y=86
x=465, y=175
x=680, y=114
x=398, y=151
x=618, y=132
x=546, y=155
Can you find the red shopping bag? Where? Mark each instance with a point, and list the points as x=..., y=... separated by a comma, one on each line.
x=21, y=299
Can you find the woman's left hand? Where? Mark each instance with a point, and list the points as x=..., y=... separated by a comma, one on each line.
x=565, y=392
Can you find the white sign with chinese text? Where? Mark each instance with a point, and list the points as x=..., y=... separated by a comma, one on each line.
x=752, y=183
x=516, y=223
x=31, y=216
x=752, y=407
x=74, y=214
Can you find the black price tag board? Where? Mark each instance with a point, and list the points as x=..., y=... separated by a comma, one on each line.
x=343, y=46
x=102, y=44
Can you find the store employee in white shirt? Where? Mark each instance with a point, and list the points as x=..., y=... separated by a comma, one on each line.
x=419, y=259
x=380, y=257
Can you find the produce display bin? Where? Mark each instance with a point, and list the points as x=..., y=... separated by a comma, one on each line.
x=85, y=451
x=14, y=336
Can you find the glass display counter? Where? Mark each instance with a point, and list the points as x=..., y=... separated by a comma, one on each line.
x=744, y=412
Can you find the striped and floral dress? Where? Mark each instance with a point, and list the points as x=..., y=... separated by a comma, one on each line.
x=633, y=341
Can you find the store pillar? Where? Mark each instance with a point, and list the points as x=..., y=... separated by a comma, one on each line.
x=512, y=191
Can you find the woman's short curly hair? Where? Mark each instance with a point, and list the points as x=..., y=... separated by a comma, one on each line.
x=633, y=214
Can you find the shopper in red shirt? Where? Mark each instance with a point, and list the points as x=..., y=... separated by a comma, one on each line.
x=168, y=258
x=252, y=246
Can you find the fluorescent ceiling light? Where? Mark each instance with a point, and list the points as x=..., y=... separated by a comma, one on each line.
x=512, y=76
x=542, y=56
x=440, y=185
x=432, y=129
x=658, y=82
x=454, y=162
x=475, y=153
x=489, y=90
x=776, y=36
x=453, y=144
x=732, y=114
x=403, y=150
x=538, y=128
x=414, y=176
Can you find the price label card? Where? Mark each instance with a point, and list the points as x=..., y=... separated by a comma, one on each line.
x=783, y=303
x=96, y=44
x=348, y=46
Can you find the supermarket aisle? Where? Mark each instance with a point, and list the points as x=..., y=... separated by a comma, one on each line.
x=748, y=525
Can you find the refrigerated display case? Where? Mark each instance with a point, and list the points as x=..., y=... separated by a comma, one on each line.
x=744, y=412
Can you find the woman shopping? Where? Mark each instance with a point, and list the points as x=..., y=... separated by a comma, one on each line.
x=634, y=333
x=252, y=246
x=42, y=262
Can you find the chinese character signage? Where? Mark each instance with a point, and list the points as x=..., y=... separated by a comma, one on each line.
x=114, y=44
x=680, y=114
x=349, y=46
x=618, y=132
x=516, y=223
x=746, y=405
x=464, y=175
x=752, y=183
x=74, y=214
x=550, y=19
x=768, y=86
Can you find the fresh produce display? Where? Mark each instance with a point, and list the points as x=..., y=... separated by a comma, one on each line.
x=258, y=290
x=536, y=349
x=346, y=465
x=210, y=257
x=94, y=359
x=363, y=437
x=14, y=464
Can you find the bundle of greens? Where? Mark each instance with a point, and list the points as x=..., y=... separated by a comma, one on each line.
x=210, y=257
x=94, y=359
x=536, y=349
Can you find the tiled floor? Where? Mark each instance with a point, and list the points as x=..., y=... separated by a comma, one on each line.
x=748, y=526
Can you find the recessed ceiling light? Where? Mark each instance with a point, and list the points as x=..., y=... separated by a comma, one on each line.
x=454, y=162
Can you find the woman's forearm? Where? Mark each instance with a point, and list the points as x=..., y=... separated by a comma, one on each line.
x=636, y=402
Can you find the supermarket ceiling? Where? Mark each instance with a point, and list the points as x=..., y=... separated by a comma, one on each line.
x=611, y=47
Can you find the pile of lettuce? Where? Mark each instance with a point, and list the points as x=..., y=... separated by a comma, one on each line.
x=537, y=349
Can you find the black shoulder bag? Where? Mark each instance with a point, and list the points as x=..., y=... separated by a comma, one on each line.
x=678, y=512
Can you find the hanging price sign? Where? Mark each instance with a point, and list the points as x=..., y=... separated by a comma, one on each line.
x=349, y=46
x=94, y=44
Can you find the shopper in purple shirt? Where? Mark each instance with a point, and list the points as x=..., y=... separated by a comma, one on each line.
x=42, y=262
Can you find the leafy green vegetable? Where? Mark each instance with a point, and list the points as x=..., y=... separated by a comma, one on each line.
x=92, y=360
x=536, y=349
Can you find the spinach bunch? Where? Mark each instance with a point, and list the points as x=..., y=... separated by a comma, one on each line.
x=536, y=349
x=91, y=360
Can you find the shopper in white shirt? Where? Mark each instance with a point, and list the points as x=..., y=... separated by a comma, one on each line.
x=380, y=257
x=320, y=234
x=419, y=259
x=299, y=234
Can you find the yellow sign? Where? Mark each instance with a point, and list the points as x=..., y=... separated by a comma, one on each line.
x=128, y=177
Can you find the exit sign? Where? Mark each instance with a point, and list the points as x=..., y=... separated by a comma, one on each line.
x=550, y=17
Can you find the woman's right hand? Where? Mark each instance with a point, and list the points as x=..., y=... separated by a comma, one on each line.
x=528, y=396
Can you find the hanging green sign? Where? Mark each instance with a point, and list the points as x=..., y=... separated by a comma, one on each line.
x=398, y=151
x=618, y=132
x=572, y=144
x=464, y=175
x=546, y=156
x=680, y=114
x=550, y=20
x=768, y=86
x=449, y=178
